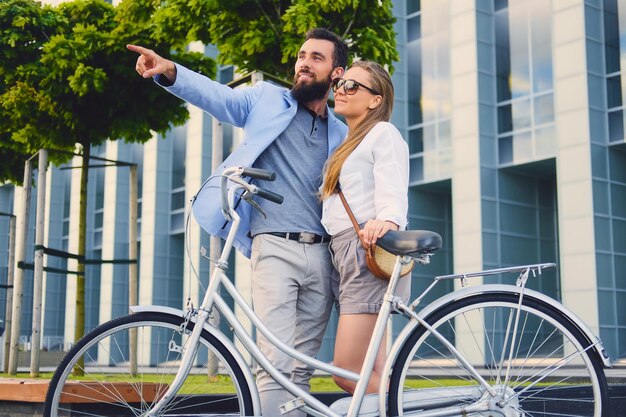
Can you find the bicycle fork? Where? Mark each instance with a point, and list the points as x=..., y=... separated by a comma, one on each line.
x=193, y=341
x=187, y=359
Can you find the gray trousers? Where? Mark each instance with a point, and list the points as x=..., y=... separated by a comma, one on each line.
x=292, y=295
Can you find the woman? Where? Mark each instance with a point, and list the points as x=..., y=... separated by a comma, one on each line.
x=371, y=167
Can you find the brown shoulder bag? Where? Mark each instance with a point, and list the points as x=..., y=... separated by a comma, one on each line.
x=378, y=261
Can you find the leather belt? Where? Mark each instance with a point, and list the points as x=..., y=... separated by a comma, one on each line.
x=302, y=237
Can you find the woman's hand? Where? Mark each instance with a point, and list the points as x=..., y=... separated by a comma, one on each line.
x=374, y=229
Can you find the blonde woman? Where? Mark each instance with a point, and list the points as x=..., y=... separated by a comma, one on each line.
x=371, y=167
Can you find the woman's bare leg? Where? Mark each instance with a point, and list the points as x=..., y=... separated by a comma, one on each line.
x=354, y=332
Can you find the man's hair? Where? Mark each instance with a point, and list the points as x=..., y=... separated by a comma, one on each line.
x=340, y=52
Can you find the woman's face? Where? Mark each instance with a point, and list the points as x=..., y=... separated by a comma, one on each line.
x=355, y=105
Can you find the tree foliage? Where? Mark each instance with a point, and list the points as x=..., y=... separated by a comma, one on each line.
x=267, y=34
x=66, y=77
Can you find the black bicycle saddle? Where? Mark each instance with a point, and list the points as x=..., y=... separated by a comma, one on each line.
x=410, y=242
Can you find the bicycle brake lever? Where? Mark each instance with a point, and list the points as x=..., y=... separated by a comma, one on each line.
x=247, y=196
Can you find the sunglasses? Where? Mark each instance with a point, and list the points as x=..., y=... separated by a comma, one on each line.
x=350, y=87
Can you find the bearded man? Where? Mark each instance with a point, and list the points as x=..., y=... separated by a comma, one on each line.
x=290, y=132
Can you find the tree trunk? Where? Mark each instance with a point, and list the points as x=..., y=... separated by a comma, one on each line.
x=9, y=302
x=20, y=254
x=133, y=285
x=79, y=329
x=35, y=339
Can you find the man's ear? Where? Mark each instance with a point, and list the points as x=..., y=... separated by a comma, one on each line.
x=337, y=73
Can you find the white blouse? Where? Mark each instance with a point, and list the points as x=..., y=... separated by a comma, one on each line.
x=374, y=180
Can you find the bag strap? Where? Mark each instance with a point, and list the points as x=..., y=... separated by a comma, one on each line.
x=350, y=214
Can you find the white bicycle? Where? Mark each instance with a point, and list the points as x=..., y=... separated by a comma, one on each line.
x=484, y=350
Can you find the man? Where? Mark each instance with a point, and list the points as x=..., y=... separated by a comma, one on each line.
x=290, y=132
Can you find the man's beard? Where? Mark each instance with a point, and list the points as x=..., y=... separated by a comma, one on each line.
x=307, y=92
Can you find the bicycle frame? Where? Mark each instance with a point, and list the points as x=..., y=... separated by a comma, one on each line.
x=304, y=400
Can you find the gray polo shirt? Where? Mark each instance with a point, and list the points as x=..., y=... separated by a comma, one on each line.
x=297, y=156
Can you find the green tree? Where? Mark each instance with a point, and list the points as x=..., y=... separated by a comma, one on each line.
x=67, y=81
x=267, y=34
x=66, y=77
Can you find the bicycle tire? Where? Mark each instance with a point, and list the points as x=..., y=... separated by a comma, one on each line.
x=542, y=383
x=109, y=389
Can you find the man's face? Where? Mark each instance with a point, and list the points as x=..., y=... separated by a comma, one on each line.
x=313, y=70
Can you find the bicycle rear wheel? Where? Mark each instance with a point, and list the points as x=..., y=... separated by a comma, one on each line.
x=539, y=363
x=111, y=387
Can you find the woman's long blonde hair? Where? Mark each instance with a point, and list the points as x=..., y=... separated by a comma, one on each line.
x=380, y=81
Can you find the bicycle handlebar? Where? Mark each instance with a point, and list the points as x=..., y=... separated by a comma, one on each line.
x=234, y=175
x=260, y=174
x=269, y=195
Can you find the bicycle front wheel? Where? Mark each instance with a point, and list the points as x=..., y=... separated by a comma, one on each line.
x=113, y=384
x=537, y=362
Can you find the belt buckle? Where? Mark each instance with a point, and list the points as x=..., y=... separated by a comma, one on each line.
x=306, y=237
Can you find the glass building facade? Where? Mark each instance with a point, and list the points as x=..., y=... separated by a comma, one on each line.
x=514, y=116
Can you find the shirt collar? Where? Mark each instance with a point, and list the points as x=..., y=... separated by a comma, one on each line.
x=312, y=113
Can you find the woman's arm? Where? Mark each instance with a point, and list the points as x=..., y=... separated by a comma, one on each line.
x=391, y=183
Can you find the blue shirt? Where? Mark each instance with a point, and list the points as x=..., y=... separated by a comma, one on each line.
x=297, y=156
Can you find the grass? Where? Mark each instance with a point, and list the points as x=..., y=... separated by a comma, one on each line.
x=199, y=384
x=194, y=383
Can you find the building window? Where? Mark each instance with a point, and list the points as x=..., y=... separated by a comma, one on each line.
x=177, y=196
x=98, y=212
x=429, y=102
x=614, y=25
x=524, y=80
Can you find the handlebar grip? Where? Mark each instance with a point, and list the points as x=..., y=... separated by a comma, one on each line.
x=268, y=195
x=260, y=174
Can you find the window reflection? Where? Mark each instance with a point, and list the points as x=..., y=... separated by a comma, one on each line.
x=412, y=6
x=522, y=146
x=523, y=38
x=505, y=150
x=541, y=44
x=544, y=109
x=505, y=119
x=413, y=29
x=611, y=36
x=614, y=52
x=177, y=194
x=416, y=144
x=616, y=126
x=521, y=114
x=519, y=48
x=430, y=137
x=503, y=58
x=416, y=169
x=444, y=134
x=415, y=82
x=613, y=91
x=429, y=101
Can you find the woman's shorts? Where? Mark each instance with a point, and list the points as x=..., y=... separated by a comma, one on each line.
x=356, y=289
